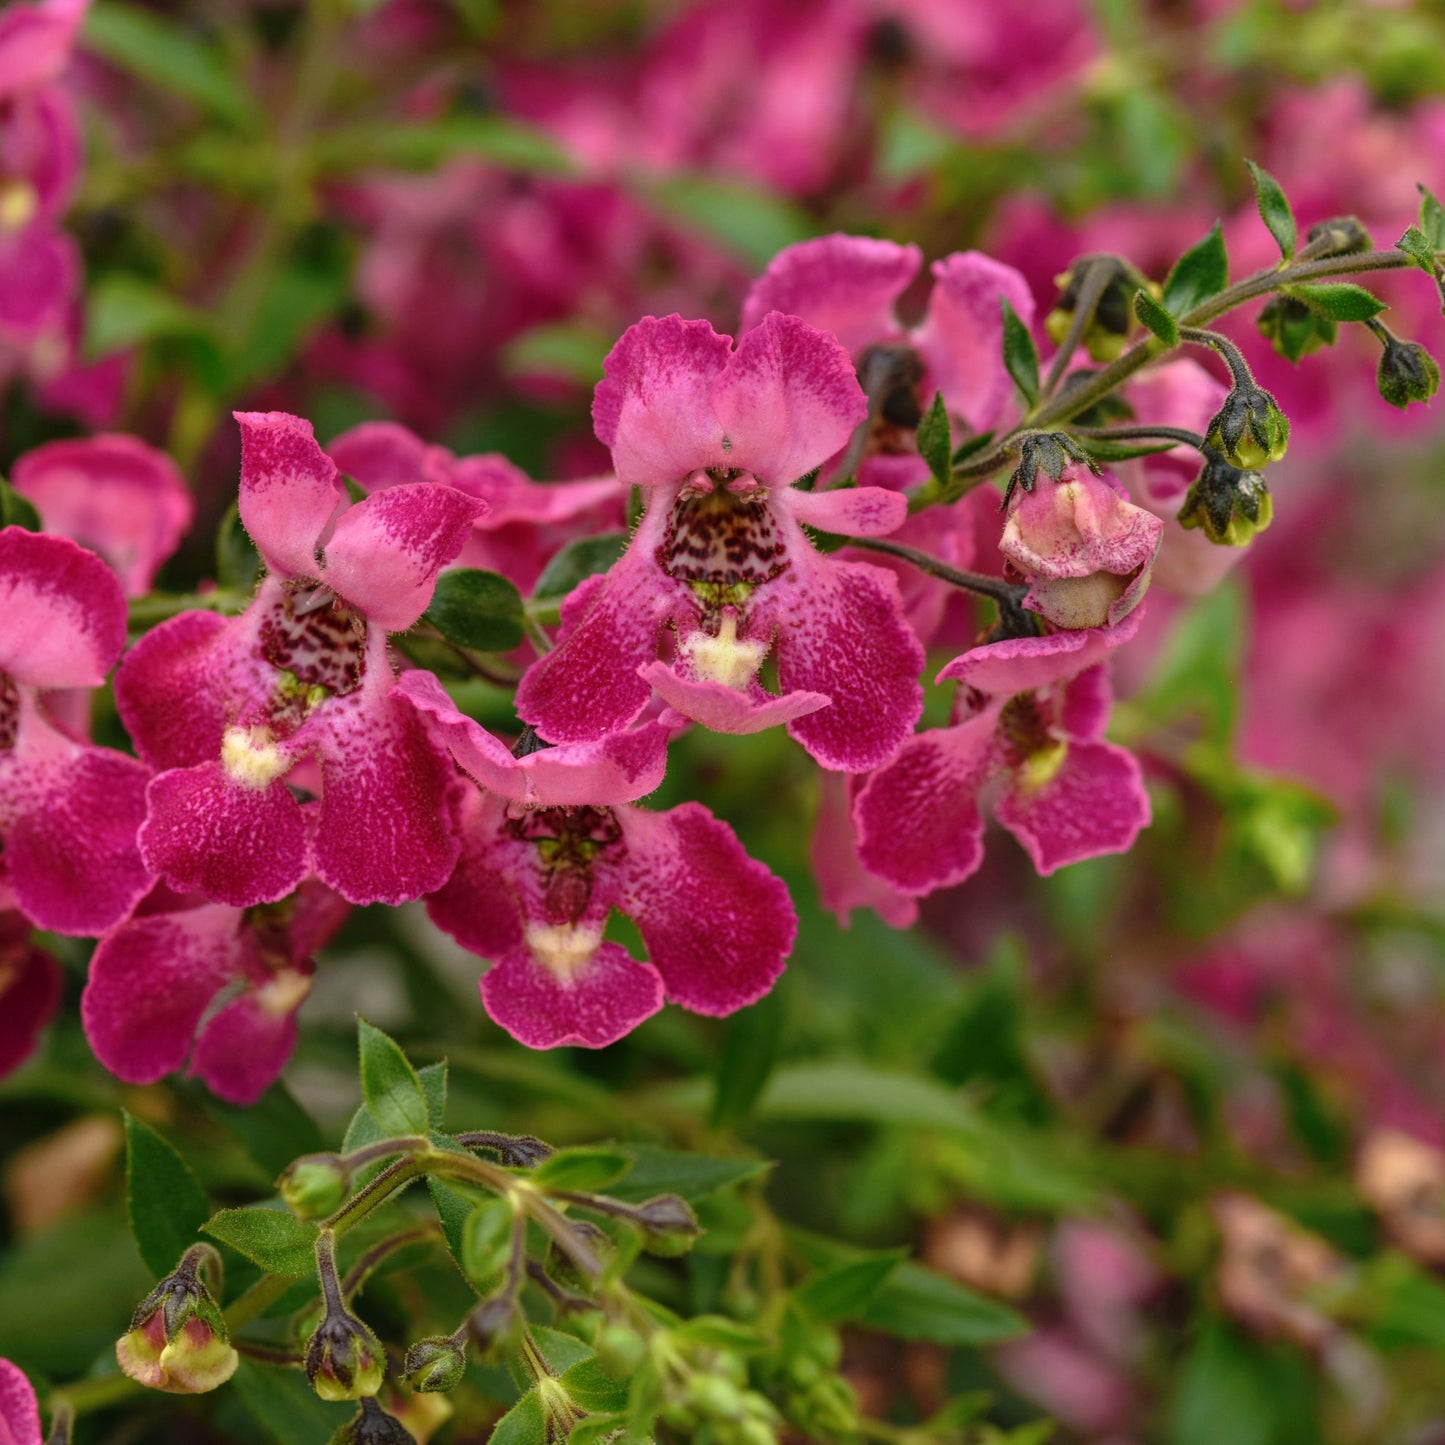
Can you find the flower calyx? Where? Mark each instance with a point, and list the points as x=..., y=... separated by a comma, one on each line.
x=1407, y=372
x=1249, y=430
x=1229, y=504
x=1101, y=286
x=315, y=1185
x=1053, y=453
x=373, y=1426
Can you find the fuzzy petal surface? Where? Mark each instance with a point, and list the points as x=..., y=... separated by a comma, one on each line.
x=1023, y=664
x=289, y=491
x=723, y=709
x=19, y=1410
x=853, y=511
x=476, y=905
x=243, y=1048
x=30, y=987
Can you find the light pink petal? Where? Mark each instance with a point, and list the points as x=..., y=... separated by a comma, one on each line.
x=653, y=407
x=843, y=284
x=112, y=493
x=385, y=553
x=961, y=338
x=1094, y=804
x=379, y=454
x=1023, y=664
x=30, y=984
x=63, y=611
x=35, y=43
x=1077, y=526
x=717, y=924
x=71, y=840
x=787, y=399
x=19, y=1411
x=385, y=834
x=723, y=709
x=1183, y=394
x=607, y=997
x=289, y=492
x=235, y=844
x=477, y=905
x=918, y=822
x=843, y=883
x=546, y=504
x=853, y=511
x=243, y=1048
x=151, y=982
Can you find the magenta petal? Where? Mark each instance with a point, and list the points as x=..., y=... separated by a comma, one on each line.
x=1094, y=804
x=724, y=709
x=30, y=985
x=385, y=833
x=1024, y=664
x=485, y=759
x=288, y=490
x=607, y=997
x=477, y=905
x=962, y=336
x=71, y=847
x=918, y=822
x=243, y=1048
x=19, y=1410
x=843, y=883
x=35, y=43
x=235, y=844
x=653, y=407
x=40, y=275
x=717, y=924
x=379, y=454
x=151, y=981
x=1086, y=704
x=385, y=553
x=112, y=493
x=63, y=609
x=843, y=284
x=788, y=399
x=854, y=511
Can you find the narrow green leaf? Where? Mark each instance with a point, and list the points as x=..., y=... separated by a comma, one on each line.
x=595, y=1428
x=423, y=147
x=1274, y=210
x=577, y=561
x=165, y=1200
x=843, y=1291
x=914, y=1303
x=123, y=310
x=273, y=1238
x=453, y=1210
x=394, y=1096
x=1201, y=272
x=1156, y=318
x=17, y=511
x=581, y=1169
x=1416, y=245
x=693, y=1176
x=935, y=440
x=749, y=1052
x=477, y=609
x=1340, y=301
x=593, y=1388
x=753, y=224
x=717, y=1332
x=1432, y=219
x=238, y=564
x=1020, y=355
x=559, y=349
x=433, y=1080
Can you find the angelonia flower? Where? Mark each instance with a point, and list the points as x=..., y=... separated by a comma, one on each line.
x=344, y=1358
x=298, y=689
x=177, y=1340
x=19, y=1409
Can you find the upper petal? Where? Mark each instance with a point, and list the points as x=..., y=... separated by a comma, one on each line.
x=853, y=511
x=1022, y=664
x=787, y=399
x=64, y=611
x=35, y=43
x=843, y=284
x=379, y=454
x=288, y=490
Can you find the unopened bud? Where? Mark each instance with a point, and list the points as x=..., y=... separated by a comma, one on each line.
x=562, y=1268
x=669, y=1226
x=1228, y=504
x=1407, y=373
x=344, y=1359
x=1339, y=236
x=715, y=1397
x=1116, y=280
x=177, y=1340
x=1294, y=329
x=1249, y=429
x=373, y=1426
x=435, y=1364
x=315, y=1185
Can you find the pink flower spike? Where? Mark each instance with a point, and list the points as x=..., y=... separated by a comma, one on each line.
x=112, y=493
x=289, y=492
x=30, y=984
x=19, y=1410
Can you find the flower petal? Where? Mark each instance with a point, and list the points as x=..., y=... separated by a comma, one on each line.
x=288, y=490
x=843, y=883
x=843, y=284
x=1023, y=664
x=717, y=924
x=477, y=905
x=243, y=1048
x=788, y=399
x=379, y=454
x=723, y=709
x=19, y=1410
x=35, y=43
x=30, y=984
x=854, y=511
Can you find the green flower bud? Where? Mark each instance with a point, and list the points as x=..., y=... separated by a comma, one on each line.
x=373, y=1426
x=715, y=1398
x=435, y=1364
x=344, y=1359
x=315, y=1185
x=1293, y=329
x=562, y=1268
x=669, y=1226
x=1407, y=373
x=620, y=1351
x=1107, y=333
x=177, y=1340
x=1249, y=429
x=1229, y=505
x=1346, y=236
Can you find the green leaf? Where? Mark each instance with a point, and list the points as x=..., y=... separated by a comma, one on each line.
x=284, y=1405
x=593, y=1388
x=1274, y=210
x=453, y=1210
x=274, y=1130
x=238, y=564
x=584, y=1170
x=524, y=1424
x=1201, y=272
x=17, y=511
x=477, y=609
x=935, y=440
x=273, y=1238
x=124, y=311
x=914, y=1303
x=166, y=1203
x=844, y=1290
x=559, y=349
x=1231, y=1388
x=1432, y=219
x=504, y=141
x=433, y=1081
x=1156, y=318
x=1342, y=301
x=160, y=52
x=1020, y=355
x=394, y=1096
x=717, y=1332
x=577, y=561
x=858, y=1092
x=751, y=223
x=693, y=1176
x=748, y=1055
x=595, y=1428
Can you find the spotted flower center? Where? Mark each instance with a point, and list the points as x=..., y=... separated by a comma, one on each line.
x=315, y=641
x=9, y=712
x=1037, y=753
x=568, y=842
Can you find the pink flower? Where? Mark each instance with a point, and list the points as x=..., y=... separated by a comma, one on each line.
x=539, y=874
x=720, y=558
x=300, y=686
x=1032, y=713
x=1083, y=547
x=68, y=810
x=843, y=882
x=155, y=979
x=113, y=493
x=19, y=1409
x=29, y=991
